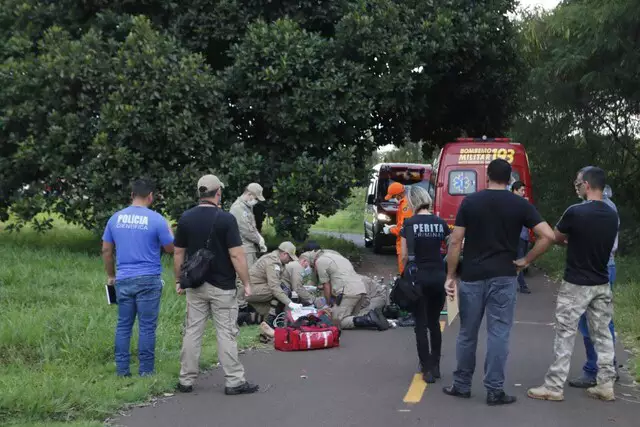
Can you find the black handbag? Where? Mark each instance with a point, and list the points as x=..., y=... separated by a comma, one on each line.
x=406, y=293
x=197, y=266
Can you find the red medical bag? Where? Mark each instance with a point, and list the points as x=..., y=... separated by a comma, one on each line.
x=307, y=333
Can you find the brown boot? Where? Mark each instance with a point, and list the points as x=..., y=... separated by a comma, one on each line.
x=266, y=330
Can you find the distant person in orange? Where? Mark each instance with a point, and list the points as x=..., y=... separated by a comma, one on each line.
x=397, y=191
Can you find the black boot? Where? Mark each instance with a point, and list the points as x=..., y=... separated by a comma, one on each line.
x=499, y=397
x=244, y=318
x=435, y=366
x=381, y=322
x=371, y=320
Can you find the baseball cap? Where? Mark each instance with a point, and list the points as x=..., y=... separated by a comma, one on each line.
x=256, y=190
x=394, y=189
x=289, y=248
x=310, y=255
x=210, y=183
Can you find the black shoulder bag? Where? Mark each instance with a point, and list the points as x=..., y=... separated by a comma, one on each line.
x=406, y=293
x=197, y=266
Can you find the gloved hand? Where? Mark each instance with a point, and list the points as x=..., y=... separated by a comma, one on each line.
x=386, y=229
x=263, y=246
x=294, y=306
x=320, y=302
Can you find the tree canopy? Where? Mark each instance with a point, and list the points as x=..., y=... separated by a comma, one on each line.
x=295, y=95
x=583, y=102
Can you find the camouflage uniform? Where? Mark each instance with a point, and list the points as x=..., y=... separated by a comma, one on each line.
x=265, y=277
x=251, y=239
x=572, y=302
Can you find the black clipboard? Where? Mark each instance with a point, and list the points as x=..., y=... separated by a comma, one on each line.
x=111, y=295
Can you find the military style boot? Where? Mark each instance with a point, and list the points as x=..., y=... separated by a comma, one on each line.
x=373, y=319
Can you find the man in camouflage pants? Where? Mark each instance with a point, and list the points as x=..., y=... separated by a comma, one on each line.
x=589, y=229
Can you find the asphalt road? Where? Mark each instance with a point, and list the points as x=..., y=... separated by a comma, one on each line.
x=369, y=382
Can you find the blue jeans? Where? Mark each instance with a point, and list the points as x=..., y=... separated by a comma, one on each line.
x=137, y=296
x=523, y=245
x=590, y=367
x=497, y=297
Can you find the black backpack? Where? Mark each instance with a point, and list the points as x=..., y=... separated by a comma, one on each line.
x=197, y=266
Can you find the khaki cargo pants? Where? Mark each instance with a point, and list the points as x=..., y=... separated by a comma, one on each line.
x=202, y=303
x=349, y=308
x=251, y=257
x=573, y=301
x=377, y=298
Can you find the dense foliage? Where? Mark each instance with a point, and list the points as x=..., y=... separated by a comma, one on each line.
x=292, y=94
x=583, y=103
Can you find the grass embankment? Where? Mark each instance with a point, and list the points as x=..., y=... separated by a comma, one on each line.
x=349, y=220
x=56, y=333
x=346, y=248
x=342, y=221
x=626, y=297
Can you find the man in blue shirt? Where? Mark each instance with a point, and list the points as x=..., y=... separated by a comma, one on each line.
x=518, y=188
x=138, y=233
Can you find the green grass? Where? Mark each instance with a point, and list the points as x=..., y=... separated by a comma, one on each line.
x=343, y=221
x=348, y=220
x=56, y=333
x=626, y=297
x=345, y=247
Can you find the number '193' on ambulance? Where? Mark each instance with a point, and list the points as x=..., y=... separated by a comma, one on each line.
x=461, y=169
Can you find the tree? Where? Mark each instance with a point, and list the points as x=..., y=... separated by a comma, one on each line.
x=583, y=101
x=294, y=95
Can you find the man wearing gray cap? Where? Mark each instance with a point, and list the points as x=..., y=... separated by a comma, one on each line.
x=207, y=226
x=252, y=241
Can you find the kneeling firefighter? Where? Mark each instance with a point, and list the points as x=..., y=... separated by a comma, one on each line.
x=294, y=277
x=268, y=295
x=344, y=291
x=376, y=293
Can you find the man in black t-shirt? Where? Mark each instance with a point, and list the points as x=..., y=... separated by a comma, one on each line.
x=590, y=230
x=490, y=222
x=217, y=296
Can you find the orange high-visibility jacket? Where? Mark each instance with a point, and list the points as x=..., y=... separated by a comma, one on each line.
x=404, y=212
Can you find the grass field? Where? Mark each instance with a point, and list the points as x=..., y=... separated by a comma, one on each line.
x=56, y=334
x=349, y=220
x=346, y=248
x=342, y=221
x=626, y=297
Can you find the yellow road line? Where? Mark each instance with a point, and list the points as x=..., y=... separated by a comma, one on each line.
x=418, y=386
x=416, y=390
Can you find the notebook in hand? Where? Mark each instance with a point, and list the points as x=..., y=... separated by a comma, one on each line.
x=111, y=294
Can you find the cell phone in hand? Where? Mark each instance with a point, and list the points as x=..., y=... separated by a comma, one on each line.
x=111, y=295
